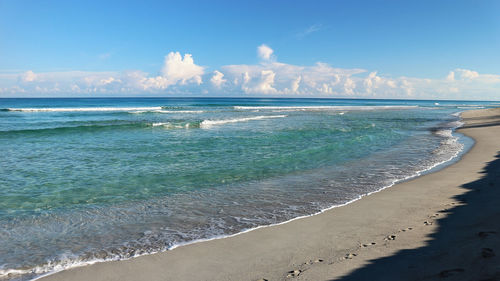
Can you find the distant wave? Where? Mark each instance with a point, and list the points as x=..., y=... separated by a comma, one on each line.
x=463, y=106
x=95, y=126
x=324, y=107
x=470, y=107
x=75, y=128
x=78, y=109
x=210, y=123
x=167, y=111
x=171, y=125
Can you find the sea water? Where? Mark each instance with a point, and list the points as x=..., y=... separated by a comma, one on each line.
x=87, y=180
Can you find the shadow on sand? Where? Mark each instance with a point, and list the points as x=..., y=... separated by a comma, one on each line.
x=466, y=245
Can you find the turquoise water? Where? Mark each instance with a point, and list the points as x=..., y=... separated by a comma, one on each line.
x=101, y=179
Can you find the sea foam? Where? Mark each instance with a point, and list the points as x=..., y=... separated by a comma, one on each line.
x=170, y=125
x=78, y=109
x=167, y=111
x=210, y=123
x=324, y=107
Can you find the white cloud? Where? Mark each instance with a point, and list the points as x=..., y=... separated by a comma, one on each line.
x=349, y=86
x=246, y=77
x=325, y=89
x=451, y=76
x=260, y=84
x=28, y=76
x=218, y=79
x=407, y=87
x=180, y=75
x=266, y=83
x=296, y=84
x=473, y=76
x=373, y=83
x=109, y=80
x=177, y=69
x=264, y=52
x=467, y=74
x=288, y=79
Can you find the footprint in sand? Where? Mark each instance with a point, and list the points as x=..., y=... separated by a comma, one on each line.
x=484, y=234
x=450, y=272
x=390, y=237
x=350, y=256
x=294, y=273
x=406, y=229
x=428, y=222
x=368, y=245
x=314, y=261
x=487, y=253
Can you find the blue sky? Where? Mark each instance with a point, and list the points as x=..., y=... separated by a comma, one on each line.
x=75, y=48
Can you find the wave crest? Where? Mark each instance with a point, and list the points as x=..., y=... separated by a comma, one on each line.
x=167, y=111
x=83, y=109
x=324, y=107
x=210, y=123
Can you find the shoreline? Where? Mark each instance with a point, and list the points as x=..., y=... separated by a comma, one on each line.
x=430, y=169
x=214, y=257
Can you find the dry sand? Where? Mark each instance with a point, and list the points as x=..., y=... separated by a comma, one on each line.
x=441, y=226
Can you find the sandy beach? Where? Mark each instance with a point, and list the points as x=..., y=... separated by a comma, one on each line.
x=440, y=226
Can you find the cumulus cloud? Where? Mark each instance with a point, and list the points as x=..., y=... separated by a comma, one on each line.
x=470, y=76
x=274, y=77
x=218, y=79
x=181, y=75
x=262, y=84
x=407, y=87
x=264, y=52
x=177, y=70
x=288, y=79
x=28, y=76
x=451, y=76
x=467, y=74
x=349, y=86
x=296, y=84
x=373, y=83
x=181, y=70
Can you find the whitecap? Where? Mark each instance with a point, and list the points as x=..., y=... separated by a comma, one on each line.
x=82, y=109
x=210, y=123
x=325, y=107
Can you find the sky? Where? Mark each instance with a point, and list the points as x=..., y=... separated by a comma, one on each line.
x=339, y=49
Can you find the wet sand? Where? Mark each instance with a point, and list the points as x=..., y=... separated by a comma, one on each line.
x=440, y=226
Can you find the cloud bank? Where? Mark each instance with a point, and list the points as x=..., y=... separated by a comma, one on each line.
x=180, y=75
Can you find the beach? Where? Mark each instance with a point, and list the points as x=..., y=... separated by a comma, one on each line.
x=440, y=225
x=241, y=141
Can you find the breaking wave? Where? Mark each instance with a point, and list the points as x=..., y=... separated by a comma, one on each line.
x=210, y=123
x=82, y=109
x=324, y=107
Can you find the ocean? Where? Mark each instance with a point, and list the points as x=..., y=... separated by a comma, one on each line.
x=88, y=180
